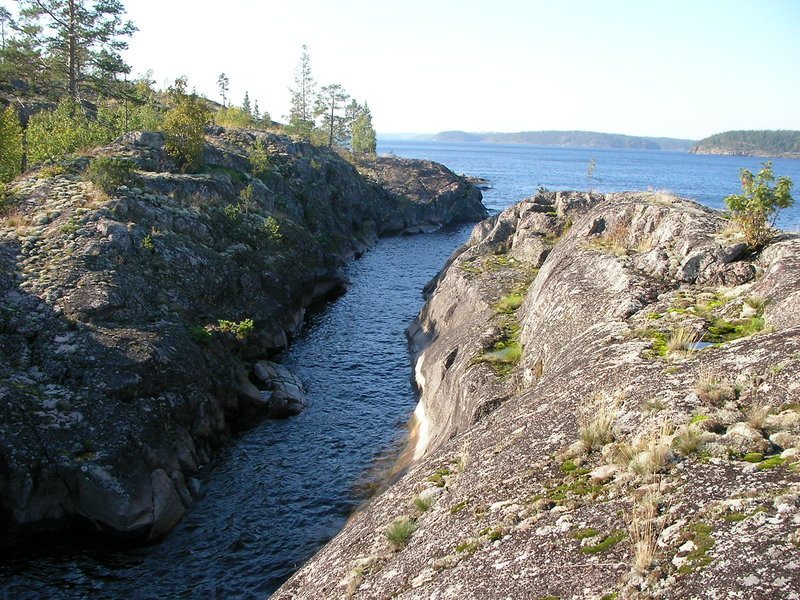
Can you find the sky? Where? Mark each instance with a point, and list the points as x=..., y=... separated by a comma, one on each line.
x=671, y=68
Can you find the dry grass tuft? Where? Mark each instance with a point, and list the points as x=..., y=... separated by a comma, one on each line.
x=681, y=341
x=756, y=414
x=652, y=455
x=688, y=439
x=643, y=533
x=714, y=391
x=598, y=430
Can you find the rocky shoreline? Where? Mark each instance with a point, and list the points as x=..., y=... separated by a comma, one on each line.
x=735, y=152
x=137, y=324
x=609, y=408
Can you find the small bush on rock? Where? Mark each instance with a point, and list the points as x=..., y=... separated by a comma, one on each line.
x=241, y=329
x=756, y=208
x=109, y=172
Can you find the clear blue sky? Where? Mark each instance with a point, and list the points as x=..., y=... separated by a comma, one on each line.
x=677, y=68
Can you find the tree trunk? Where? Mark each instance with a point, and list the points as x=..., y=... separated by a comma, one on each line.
x=72, y=43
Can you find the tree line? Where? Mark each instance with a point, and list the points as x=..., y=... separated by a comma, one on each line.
x=66, y=87
x=342, y=123
x=753, y=143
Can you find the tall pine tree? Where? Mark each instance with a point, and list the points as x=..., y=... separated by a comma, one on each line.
x=82, y=39
x=301, y=114
x=330, y=102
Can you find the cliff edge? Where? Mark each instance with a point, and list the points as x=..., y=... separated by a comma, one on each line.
x=609, y=409
x=137, y=323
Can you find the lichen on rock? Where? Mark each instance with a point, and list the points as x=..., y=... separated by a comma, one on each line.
x=613, y=458
x=134, y=319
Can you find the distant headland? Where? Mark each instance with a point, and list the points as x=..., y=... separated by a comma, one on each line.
x=589, y=139
x=771, y=144
x=782, y=143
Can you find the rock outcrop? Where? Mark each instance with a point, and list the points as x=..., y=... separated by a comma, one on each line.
x=135, y=325
x=610, y=408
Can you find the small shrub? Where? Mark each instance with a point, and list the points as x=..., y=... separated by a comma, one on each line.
x=757, y=208
x=272, y=230
x=241, y=329
x=184, y=126
x=110, y=172
x=260, y=163
x=233, y=212
x=7, y=201
x=399, y=531
x=11, y=144
x=70, y=227
x=200, y=335
x=147, y=243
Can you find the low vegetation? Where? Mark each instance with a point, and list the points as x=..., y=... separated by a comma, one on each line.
x=399, y=532
x=756, y=209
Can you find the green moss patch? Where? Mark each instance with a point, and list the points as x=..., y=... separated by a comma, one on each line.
x=700, y=534
x=771, y=463
x=723, y=330
x=585, y=533
x=609, y=541
x=438, y=477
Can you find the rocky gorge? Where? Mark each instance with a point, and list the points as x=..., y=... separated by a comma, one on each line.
x=609, y=408
x=138, y=321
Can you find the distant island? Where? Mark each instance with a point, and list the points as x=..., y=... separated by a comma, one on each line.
x=779, y=144
x=589, y=139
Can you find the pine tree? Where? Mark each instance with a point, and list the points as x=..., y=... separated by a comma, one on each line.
x=11, y=151
x=246, y=107
x=256, y=112
x=351, y=111
x=81, y=39
x=329, y=103
x=301, y=114
x=5, y=20
x=364, y=139
x=223, y=84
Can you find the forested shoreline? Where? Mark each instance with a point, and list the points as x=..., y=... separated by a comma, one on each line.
x=782, y=143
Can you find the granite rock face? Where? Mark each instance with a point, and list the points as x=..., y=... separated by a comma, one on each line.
x=135, y=325
x=610, y=408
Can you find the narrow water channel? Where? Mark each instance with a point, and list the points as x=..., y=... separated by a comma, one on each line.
x=281, y=490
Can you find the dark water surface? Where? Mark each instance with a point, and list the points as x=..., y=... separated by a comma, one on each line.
x=278, y=492
x=281, y=490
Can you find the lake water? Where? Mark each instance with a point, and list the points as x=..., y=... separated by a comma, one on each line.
x=515, y=171
x=279, y=491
